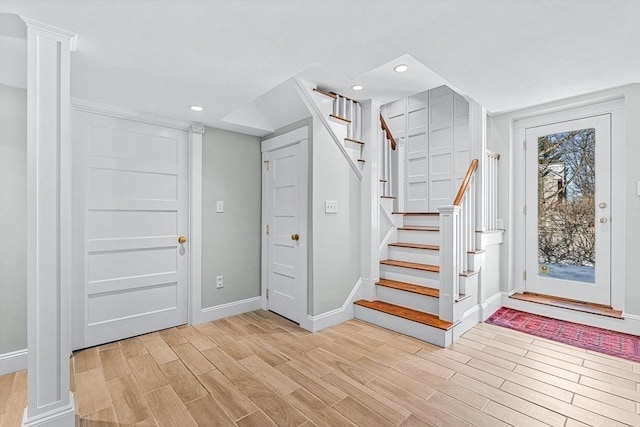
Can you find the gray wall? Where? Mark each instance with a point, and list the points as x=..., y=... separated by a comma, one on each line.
x=231, y=240
x=336, y=237
x=500, y=134
x=13, y=219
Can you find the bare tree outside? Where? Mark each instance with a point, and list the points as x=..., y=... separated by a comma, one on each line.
x=566, y=190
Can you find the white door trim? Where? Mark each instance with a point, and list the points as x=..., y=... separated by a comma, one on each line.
x=614, y=107
x=297, y=136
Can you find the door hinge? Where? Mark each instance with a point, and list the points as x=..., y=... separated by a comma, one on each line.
x=524, y=209
x=266, y=229
x=267, y=293
x=266, y=164
x=524, y=144
x=524, y=275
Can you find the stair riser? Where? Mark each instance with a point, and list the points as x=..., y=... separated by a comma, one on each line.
x=324, y=103
x=422, y=237
x=421, y=256
x=417, y=330
x=339, y=130
x=422, y=220
x=407, y=299
x=409, y=275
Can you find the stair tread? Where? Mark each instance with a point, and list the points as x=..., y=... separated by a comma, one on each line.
x=418, y=213
x=330, y=95
x=409, y=287
x=342, y=119
x=354, y=140
x=413, y=265
x=361, y=160
x=406, y=313
x=568, y=304
x=419, y=228
x=415, y=246
x=387, y=197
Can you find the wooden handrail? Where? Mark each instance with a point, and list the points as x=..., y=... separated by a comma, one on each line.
x=388, y=133
x=465, y=182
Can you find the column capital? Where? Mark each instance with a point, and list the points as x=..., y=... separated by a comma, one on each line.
x=197, y=128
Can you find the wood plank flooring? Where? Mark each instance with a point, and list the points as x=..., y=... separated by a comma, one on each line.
x=258, y=369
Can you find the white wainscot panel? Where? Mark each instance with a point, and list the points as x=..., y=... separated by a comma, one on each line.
x=417, y=166
x=417, y=118
x=441, y=163
x=138, y=302
x=128, y=145
x=130, y=185
x=106, y=224
x=417, y=190
x=441, y=138
x=417, y=143
x=114, y=265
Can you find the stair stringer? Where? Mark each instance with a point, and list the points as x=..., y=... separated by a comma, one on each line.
x=306, y=94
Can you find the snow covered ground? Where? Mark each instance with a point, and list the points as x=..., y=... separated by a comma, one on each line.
x=571, y=272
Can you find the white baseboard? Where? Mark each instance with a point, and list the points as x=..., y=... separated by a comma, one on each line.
x=477, y=314
x=491, y=305
x=230, y=309
x=339, y=315
x=60, y=417
x=13, y=361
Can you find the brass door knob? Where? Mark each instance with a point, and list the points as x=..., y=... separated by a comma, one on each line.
x=182, y=240
x=603, y=219
x=295, y=237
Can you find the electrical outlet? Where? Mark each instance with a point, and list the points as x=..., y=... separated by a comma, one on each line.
x=219, y=206
x=219, y=282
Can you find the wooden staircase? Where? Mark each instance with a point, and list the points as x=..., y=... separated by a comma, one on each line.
x=407, y=294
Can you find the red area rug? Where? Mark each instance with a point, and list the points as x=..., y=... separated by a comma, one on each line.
x=588, y=337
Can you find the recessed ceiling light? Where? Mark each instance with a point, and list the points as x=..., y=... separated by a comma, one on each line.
x=356, y=87
x=196, y=108
x=401, y=68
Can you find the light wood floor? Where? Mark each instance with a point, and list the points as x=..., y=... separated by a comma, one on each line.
x=258, y=369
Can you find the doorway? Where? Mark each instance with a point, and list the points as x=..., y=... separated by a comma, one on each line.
x=567, y=209
x=284, y=213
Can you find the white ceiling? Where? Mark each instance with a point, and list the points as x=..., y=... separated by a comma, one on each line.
x=159, y=57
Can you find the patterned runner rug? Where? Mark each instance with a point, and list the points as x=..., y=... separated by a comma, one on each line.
x=588, y=337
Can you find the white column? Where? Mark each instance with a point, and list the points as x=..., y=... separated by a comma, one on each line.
x=478, y=132
x=195, y=228
x=50, y=402
x=449, y=269
x=370, y=200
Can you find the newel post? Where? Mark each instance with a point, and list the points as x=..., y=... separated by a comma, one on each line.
x=449, y=260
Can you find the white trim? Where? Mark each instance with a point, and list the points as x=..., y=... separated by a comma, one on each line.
x=230, y=309
x=297, y=136
x=634, y=317
x=194, y=281
x=123, y=113
x=13, y=361
x=492, y=304
x=541, y=116
x=54, y=31
x=65, y=416
x=470, y=318
x=339, y=315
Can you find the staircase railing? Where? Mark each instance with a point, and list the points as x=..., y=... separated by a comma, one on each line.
x=491, y=190
x=387, y=170
x=457, y=239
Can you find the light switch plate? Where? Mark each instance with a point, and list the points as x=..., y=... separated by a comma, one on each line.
x=330, y=206
x=219, y=206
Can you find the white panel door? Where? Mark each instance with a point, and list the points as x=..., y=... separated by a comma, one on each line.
x=417, y=152
x=568, y=194
x=130, y=198
x=285, y=275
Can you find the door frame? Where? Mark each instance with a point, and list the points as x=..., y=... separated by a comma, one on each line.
x=193, y=206
x=297, y=136
x=614, y=107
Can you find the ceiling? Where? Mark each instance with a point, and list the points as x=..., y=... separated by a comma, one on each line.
x=236, y=58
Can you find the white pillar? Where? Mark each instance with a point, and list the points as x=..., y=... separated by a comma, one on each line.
x=449, y=269
x=50, y=402
x=195, y=228
x=370, y=200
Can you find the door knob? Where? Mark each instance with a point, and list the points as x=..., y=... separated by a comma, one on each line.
x=295, y=237
x=602, y=205
x=603, y=219
x=182, y=240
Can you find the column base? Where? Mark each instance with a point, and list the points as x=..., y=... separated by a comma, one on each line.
x=64, y=416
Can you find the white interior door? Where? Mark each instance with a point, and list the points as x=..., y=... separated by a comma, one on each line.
x=284, y=214
x=130, y=198
x=568, y=202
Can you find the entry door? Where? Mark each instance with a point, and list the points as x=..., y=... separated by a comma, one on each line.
x=568, y=187
x=286, y=276
x=130, y=195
